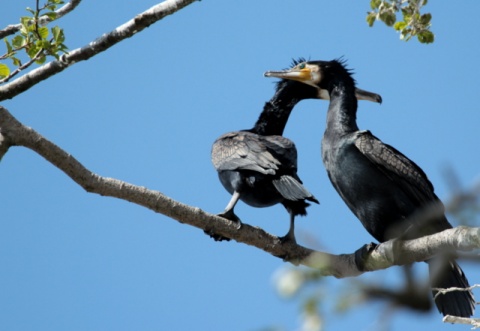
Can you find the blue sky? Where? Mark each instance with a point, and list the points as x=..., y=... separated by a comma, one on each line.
x=147, y=112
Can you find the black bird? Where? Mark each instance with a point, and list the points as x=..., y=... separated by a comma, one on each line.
x=259, y=166
x=387, y=191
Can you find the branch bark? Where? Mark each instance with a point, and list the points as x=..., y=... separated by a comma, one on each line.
x=475, y=322
x=127, y=30
x=385, y=255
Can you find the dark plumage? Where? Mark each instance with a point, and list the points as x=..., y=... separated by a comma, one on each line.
x=389, y=193
x=259, y=166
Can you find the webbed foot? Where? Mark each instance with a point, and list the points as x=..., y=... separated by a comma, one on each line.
x=215, y=236
x=230, y=215
x=288, y=238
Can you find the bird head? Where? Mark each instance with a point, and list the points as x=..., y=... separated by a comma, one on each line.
x=316, y=74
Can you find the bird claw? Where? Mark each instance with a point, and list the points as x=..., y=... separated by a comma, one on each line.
x=288, y=238
x=215, y=236
x=229, y=215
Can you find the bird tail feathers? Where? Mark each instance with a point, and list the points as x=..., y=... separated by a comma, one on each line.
x=447, y=275
x=292, y=189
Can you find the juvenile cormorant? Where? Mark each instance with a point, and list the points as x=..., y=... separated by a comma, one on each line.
x=387, y=191
x=259, y=166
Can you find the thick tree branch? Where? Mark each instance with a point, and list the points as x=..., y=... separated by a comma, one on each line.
x=135, y=25
x=62, y=11
x=13, y=133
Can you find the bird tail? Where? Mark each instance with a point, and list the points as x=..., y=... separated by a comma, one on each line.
x=450, y=275
x=292, y=189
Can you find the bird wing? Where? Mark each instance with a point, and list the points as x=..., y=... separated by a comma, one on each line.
x=248, y=151
x=284, y=150
x=400, y=169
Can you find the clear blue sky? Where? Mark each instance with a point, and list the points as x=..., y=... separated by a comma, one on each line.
x=147, y=112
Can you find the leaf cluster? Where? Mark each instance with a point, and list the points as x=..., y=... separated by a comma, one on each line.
x=34, y=40
x=412, y=24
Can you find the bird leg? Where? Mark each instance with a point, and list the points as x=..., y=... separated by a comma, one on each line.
x=290, y=236
x=229, y=213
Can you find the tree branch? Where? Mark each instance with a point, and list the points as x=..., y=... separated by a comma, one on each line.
x=23, y=67
x=441, y=291
x=14, y=133
x=475, y=322
x=127, y=30
x=62, y=11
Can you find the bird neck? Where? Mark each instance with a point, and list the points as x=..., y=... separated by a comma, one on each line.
x=275, y=114
x=342, y=110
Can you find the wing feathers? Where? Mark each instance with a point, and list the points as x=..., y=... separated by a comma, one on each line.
x=396, y=166
x=248, y=151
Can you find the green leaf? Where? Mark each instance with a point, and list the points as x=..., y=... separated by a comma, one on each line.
x=32, y=51
x=406, y=11
x=63, y=48
x=386, y=5
x=9, y=46
x=58, y=35
x=30, y=10
x=18, y=41
x=41, y=59
x=4, y=70
x=51, y=15
x=399, y=26
x=406, y=34
x=371, y=17
x=16, y=62
x=42, y=44
x=374, y=4
x=43, y=32
x=55, y=32
x=407, y=18
x=388, y=17
x=426, y=37
x=426, y=18
x=24, y=22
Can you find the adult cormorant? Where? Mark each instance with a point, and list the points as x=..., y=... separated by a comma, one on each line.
x=259, y=166
x=387, y=191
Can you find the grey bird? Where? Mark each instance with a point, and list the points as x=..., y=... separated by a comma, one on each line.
x=259, y=165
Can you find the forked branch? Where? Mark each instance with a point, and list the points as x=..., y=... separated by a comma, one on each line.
x=127, y=30
x=60, y=12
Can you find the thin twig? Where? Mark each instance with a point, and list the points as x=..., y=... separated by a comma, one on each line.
x=441, y=291
x=23, y=66
x=65, y=9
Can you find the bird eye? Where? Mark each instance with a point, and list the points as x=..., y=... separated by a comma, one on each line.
x=301, y=66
